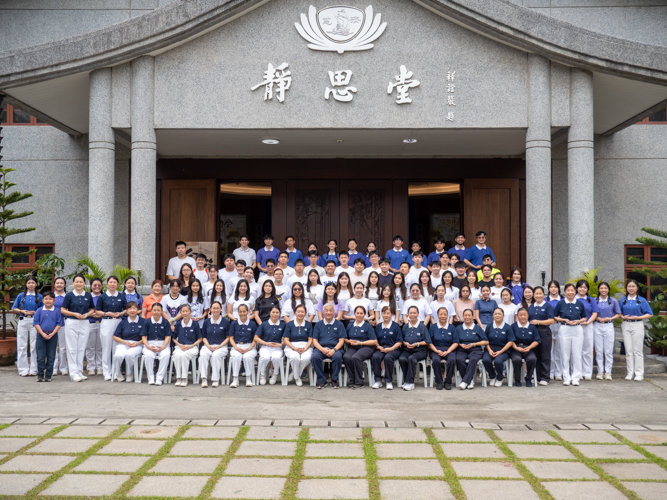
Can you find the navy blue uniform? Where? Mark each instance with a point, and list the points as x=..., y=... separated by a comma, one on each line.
x=129, y=331
x=271, y=333
x=110, y=303
x=473, y=355
x=525, y=336
x=486, y=308
x=442, y=339
x=410, y=358
x=498, y=339
x=78, y=303
x=570, y=311
x=156, y=331
x=387, y=337
x=328, y=335
x=355, y=355
x=298, y=333
x=242, y=334
x=187, y=335
x=215, y=333
x=543, y=312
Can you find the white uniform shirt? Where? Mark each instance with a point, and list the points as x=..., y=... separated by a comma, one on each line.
x=315, y=295
x=435, y=306
x=227, y=277
x=288, y=272
x=175, y=264
x=287, y=309
x=248, y=256
x=202, y=276
x=370, y=269
x=320, y=270
x=236, y=303
x=352, y=303
x=421, y=304
x=380, y=305
x=296, y=279
x=510, y=312
x=451, y=294
x=340, y=269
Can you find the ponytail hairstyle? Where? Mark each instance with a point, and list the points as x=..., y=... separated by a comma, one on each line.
x=625, y=299
x=608, y=299
x=25, y=289
x=584, y=282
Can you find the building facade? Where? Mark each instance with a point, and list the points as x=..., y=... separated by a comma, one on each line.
x=538, y=122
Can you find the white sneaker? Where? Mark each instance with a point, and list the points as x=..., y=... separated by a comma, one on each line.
x=184, y=382
x=178, y=382
x=91, y=372
x=376, y=385
x=77, y=379
x=204, y=383
x=151, y=382
x=499, y=383
x=492, y=382
x=639, y=379
x=120, y=378
x=543, y=382
x=291, y=377
x=65, y=373
x=553, y=377
x=214, y=384
x=299, y=382
x=248, y=382
x=130, y=377
x=607, y=376
x=158, y=382
x=575, y=382
x=599, y=376
x=107, y=378
x=463, y=386
x=630, y=376
x=262, y=379
x=234, y=384
x=472, y=384
x=558, y=377
x=274, y=379
x=99, y=372
x=408, y=387
x=566, y=382
x=389, y=386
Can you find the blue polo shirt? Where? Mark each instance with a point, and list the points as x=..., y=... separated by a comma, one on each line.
x=269, y=332
x=96, y=299
x=156, y=331
x=134, y=297
x=571, y=311
x=472, y=335
x=130, y=330
x=434, y=257
x=361, y=333
x=187, y=334
x=524, y=336
x=358, y=255
x=293, y=257
x=590, y=305
x=298, y=333
x=414, y=334
x=498, y=337
x=78, y=303
x=387, y=337
x=635, y=307
x=28, y=302
x=263, y=255
x=475, y=255
x=542, y=312
x=443, y=338
x=328, y=335
x=608, y=308
x=485, y=308
x=517, y=292
x=215, y=332
x=48, y=319
x=322, y=261
x=242, y=333
x=461, y=253
x=396, y=258
x=111, y=303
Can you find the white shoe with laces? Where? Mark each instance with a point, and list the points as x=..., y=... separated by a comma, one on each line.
x=472, y=384
x=184, y=382
x=390, y=386
x=234, y=384
x=499, y=383
x=607, y=376
x=214, y=384
x=599, y=376
x=408, y=387
x=630, y=376
x=204, y=383
x=120, y=378
x=273, y=379
x=376, y=385
x=543, y=382
x=248, y=382
x=158, y=382
x=262, y=379
x=463, y=386
x=299, y=383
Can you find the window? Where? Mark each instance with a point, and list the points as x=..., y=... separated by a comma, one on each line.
x=657, y=118
x=13, y=116
x=647, y=253
x=29, y=260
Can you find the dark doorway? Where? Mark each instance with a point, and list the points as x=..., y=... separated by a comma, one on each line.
x=434, y=211
x=244, y=208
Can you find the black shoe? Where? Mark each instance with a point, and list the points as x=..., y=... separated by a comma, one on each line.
x=359, y=386
x=517, y=383
x=438, y=386
x=529, y=383
x=448, y=387
x=47, y=380
x=335, y=384
x=321, y=386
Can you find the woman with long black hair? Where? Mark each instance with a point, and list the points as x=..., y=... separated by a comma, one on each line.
x=635, y=310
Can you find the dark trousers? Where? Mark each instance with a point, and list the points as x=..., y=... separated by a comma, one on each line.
x=409, y=361
x=544, y=353
x=318, y=365
x=494, y=366
x=389, y=359
x=436, y=359
x=46, y=354
x=354, y=362
x=467, y=370
x=531, y=360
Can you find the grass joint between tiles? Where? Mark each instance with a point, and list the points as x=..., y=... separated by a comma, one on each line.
x=448, y=470
x=370, y=455
x=296, y=468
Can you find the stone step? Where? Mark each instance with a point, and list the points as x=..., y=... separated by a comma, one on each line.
x=651, y=365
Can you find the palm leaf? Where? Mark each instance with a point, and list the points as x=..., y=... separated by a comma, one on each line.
x=94, y=269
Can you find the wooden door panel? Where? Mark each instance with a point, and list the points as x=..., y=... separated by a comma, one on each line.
x=366, y=213
x=312, y=213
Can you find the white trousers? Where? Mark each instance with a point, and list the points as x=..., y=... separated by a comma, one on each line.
x=129, y=354
x=215, y=358
x=556, y=369
x=605, y=337
x=297, y=361
x=273, y=355
x=182, y=360
x=107, y=329
x=94, y=348
x=571, y=342
x=633, y=338
x=26, y=333
x=248, y=360
x=587, y=350
x=76, y=331
x=60, y=362
x=162, y=357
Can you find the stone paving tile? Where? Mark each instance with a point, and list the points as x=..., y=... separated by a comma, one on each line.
x=149, y=432
x=540, y=451
x=190, y=466
x=513, y=427
x=409, y=468
x=635, y=471
x=334, y=467
x=273, y=433
x=63, y=446
x=81, y=485
x=608, y=451
x=645, y=437
x=537, y=426
x=212, y=432
x=32, y=420
x=169, y=486
x=372, y=423
x=588, y=437
x=249, y=487
x=146, y=421
x=133, y=446
x=456, y=424
x=472, y=450
x=174, y=422
x=399, y=435
x=286, y=423
x=102, y=463
x=262, y=423
x=27, y=430
x=229, y=423
x=461, y=435
x=88, y=421
x=484, y=425
x=259, y=466
x=525, y=436
x=334, y=450
x=343, y=423
x=630, y=427
x=86, y=431
x=333, y=434
x=36, y=463
x=200, y=447
x=397, y=489
x=658, y=451
x=332, y=488
x=267, y=448
x=601, y=427
x=407, y=423
x=8, y=420
x=60, y=421
x=404, y=450
x=117, y=421
x=593, y=490
x=204, y=422
x=653, y=427
x=648, y=491
x=20, y=484
x=571, y=427
x=485, y=469
x=560, y=470
x=11, y=445
x=498, y=490
x=315, y=423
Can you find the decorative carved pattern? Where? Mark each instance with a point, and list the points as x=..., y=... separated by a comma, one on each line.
x=366, y=216
x=312, y=217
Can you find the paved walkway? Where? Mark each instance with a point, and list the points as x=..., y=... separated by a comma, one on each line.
x=76, y=459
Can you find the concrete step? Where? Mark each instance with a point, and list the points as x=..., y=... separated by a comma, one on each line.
x=650, y=366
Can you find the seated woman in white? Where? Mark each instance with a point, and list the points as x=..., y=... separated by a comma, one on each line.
x=270, y=337
x=242, y=339
x=298, y=338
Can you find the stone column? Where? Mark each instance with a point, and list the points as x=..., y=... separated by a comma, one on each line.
x=581, y=175
x=143, y=177
x=538, y=172
x=101, y=171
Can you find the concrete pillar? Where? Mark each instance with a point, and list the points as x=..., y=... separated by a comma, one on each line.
x=581, y=175
x=143, y=176
x=101, y=171
x=538, y=172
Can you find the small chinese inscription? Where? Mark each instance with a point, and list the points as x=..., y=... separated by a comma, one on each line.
x=451, y=94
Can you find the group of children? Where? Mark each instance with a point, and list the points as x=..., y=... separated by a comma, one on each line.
x=452, y=307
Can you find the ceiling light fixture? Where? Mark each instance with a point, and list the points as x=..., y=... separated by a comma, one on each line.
x=270, y=141
x=409, y=141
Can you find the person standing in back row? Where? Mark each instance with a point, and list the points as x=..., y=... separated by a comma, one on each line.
x=175, y=263
x=475, y=255
x=635, y=310
x=397, y=255
x=245, y=253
